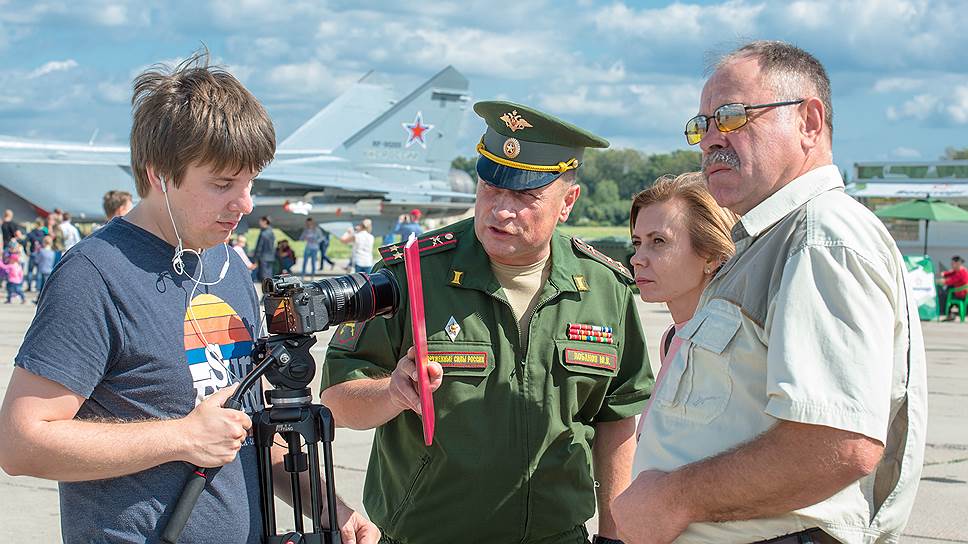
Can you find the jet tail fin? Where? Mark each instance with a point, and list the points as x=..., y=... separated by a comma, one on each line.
x=341, y=118
x=420, y=131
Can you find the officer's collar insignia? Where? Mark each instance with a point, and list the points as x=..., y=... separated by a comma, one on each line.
x=514, y=121
x=428, y=243
x=457, y=278
x=580, y=282
x=452, y=329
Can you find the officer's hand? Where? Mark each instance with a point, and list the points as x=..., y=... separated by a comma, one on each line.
x=645, y=513
x=354, y=528
x=212, y=434
x=404, y=385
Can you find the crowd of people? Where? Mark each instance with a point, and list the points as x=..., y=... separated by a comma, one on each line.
x=31, y=250
x=790, y=404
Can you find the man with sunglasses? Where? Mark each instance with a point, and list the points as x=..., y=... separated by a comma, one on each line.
x=796, y=410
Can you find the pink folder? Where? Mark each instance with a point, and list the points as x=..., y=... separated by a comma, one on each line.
x=411, y=256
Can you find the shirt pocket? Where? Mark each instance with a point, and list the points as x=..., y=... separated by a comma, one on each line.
x=698, y=384
x=582, y=373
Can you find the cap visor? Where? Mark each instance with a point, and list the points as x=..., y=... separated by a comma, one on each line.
x=510, y=178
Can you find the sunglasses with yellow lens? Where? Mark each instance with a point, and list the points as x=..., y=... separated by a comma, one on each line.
x=729, y=117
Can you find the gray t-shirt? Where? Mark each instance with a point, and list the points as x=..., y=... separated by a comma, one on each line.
x=113, y=326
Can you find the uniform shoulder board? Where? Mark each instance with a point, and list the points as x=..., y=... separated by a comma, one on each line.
x=429, y=244
x=616, y=266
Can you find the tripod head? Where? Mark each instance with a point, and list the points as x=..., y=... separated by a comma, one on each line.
x=284, y=360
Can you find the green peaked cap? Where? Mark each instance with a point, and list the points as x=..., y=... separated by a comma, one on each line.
x=524, y=148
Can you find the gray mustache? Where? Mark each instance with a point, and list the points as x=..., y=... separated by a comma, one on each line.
x=722, y=155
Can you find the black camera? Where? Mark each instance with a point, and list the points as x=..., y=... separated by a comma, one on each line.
x=294, y=307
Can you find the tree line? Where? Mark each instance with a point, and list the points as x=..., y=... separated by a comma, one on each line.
x=610, y=178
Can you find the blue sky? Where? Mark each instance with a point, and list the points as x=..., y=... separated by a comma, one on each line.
x=631, y=71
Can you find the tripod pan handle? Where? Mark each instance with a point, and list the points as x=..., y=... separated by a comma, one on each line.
x=183, y=508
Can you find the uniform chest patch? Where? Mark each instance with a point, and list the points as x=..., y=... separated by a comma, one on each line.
x=459, y=359
x=594, y=359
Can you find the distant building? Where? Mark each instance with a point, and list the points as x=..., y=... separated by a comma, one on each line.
x=877, y=184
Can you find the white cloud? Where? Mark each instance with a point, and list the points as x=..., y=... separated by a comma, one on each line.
x=107, y=13
x=578, y=101
x=305, y=79
x=876, y=33
x=53, y=66
x=919, y=107
x=9, y=101
x=271, y=46
x=650, y=103
x=431, y=45
x=614, y=73
x=111, y=15
x=262, y=13
x=957, y=106
x=906, y=153
x=945, y=104
x=681, y=22
x=118, y=93
x=914, y=34
x=896, y=84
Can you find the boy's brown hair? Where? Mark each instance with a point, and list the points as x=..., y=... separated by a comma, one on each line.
x=196, y=114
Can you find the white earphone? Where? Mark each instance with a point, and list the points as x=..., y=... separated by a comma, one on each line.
x=176, y=262
x=213, y=354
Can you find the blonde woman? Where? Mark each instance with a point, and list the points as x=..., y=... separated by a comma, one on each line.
x=681, y=237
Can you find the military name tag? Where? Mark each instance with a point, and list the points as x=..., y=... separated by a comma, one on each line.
x=459, y=359
x=593, y=359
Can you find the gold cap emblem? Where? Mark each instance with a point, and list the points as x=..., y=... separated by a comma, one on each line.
x=511, y=148
x=514, y=121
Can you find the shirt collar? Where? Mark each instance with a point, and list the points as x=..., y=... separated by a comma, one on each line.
x=790, y=197
x=470, y=257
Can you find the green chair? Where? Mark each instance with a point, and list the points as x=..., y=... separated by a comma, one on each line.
x=961, y=303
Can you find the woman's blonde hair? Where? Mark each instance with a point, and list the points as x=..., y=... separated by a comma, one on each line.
x=709, y=224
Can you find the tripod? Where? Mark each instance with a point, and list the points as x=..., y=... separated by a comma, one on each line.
x=285, y=361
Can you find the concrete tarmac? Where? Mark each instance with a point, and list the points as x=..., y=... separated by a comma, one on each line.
x=29, y=506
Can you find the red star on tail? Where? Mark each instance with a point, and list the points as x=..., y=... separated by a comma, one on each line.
x=417, y=130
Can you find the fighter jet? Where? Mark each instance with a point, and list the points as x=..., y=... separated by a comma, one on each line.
x=368, y=153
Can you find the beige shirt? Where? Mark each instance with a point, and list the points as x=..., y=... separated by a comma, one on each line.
x=521, y=285
x=809, y=322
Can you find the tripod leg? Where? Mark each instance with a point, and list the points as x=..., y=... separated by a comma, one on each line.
x=295, y=456
x=264, y=452
x=314, y=486
x=330, y=487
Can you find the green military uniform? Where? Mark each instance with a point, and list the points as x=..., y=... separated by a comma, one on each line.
x=511, y=459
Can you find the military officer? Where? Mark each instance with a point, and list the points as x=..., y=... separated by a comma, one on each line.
x=537, y=354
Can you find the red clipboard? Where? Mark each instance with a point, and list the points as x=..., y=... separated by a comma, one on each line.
x=411, y=256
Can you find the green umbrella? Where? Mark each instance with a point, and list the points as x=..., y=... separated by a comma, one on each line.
x=929, y=209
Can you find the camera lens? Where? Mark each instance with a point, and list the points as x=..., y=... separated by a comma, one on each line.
x=359, y=297
x=295, y=308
